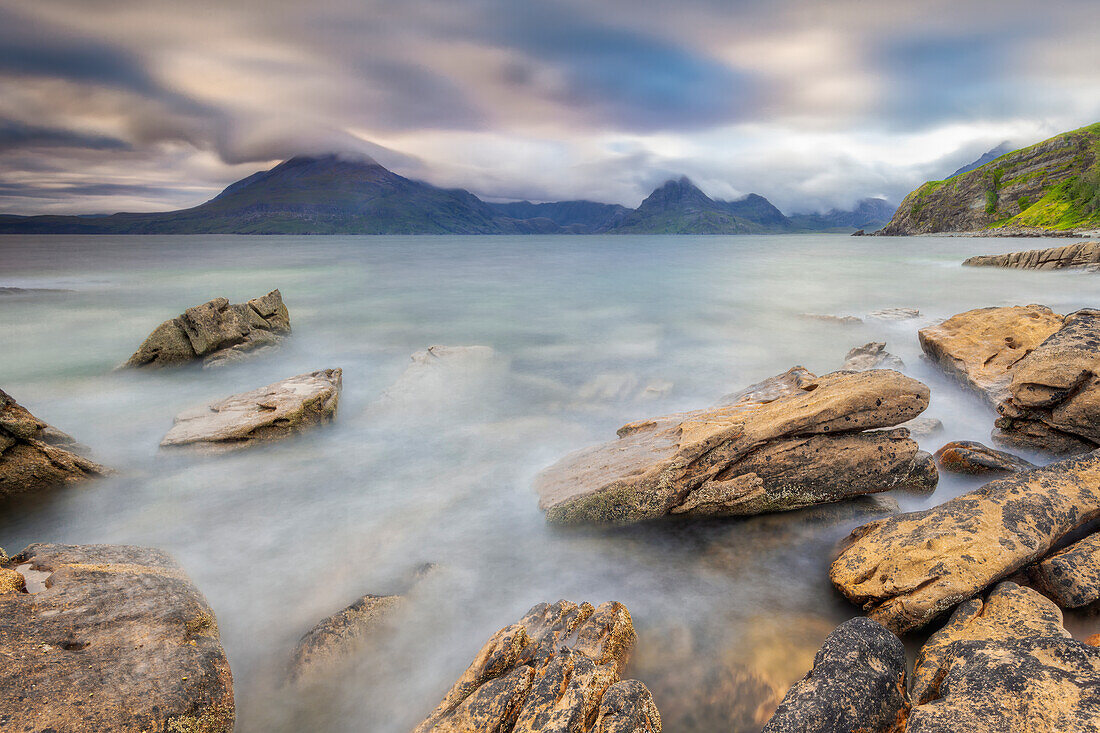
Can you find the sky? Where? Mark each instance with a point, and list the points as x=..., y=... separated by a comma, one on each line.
x=147, y=105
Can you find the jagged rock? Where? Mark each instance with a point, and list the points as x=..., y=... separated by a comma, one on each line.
x=216, y=332
x=1057, y=386
x=119, y=640
x=981, y=346
x=895, y=314
x=872, y=355
x=1038, y=684
x=908, y=569
x=792, y=441
x=556, y=671
x=273, y=412
x=1081, y=255
x=336, y=636
x=36, y=456
x=1010, y=612
x=1072, y=576
x=857, y=684
x=967, y=456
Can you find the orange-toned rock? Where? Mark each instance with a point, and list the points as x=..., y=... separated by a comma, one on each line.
x=792, y=441
x=556, y=671
x=908, y=569
x=1071, y=576
x=966, y=456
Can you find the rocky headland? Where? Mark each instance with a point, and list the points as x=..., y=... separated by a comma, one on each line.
x=1079, y=256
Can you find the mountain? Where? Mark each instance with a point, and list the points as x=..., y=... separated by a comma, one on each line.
x=1052, y=185
x=679, y=207
x=869, y=214
x=328, y=194
x=997, y=152
x=575, y=216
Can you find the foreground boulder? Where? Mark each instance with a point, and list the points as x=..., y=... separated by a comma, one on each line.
x=35, y=456
x=273, y=412
x=556, y=671
x=119, y=640
x=1082, y=255
x=217, y=332
x=857, y=684
x=1072, y=576
x=792, y=441
x=907, y=569
x=1039, y=369
x=967, y=456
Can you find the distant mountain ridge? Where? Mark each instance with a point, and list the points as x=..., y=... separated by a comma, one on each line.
x=997, y=152
x=334, y=194
x=1052, y=186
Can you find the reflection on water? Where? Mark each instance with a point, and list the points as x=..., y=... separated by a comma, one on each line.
x=588, y=333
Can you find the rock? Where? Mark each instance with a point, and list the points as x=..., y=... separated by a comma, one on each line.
x=922, y=427
x=907, y=569
x=857, y=683
x=337, y=636
x=1011, y=612
x=1093, y=640
x=1081, y=255
x=829, y=318
x=872, y=355
x=11, y=581
x=621, y=387
x=1038, y=684
x=216, y=332
x=981, y=346
x=859, y=233
x=895, y=314
x=119, y=640
x=967, y=456
x=793, y=441
x=1057, y=385
x=35, y=456
x=451, y=374
x=1072, y=576
x=557, y=670
x=273, y=412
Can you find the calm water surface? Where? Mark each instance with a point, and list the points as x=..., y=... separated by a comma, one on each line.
x=729, y=613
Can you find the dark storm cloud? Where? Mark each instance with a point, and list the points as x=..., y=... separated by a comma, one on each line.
x=92, y=189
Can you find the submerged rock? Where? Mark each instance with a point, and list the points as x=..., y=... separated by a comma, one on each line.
x=273, y=412
x=337, y=636
x=857, y=683
x=447, y=374
x=119, y=640
x=556, y=671
x=1081, y=255
x=895, y=314
x=967, y=456
x=216, y=332
x=1072, y=576
x=790, y=442
x=908, y=569
x=830, y=318
x=922, y=427
x=872, y=355
x=36, y=456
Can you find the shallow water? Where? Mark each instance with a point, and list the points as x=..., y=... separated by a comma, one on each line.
x=728, y=612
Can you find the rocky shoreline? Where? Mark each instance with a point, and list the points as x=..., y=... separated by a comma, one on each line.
x=120, y=639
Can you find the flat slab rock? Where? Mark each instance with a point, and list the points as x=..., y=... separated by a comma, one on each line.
x=908, y=569
x=792, y=441
x=119, y=640
x=34, y=455
x=216, y=332
x=857, y=683
x=556, y=671
x=967, y=456
x=1082, y=255
x=273, y=412
x=1071, y=576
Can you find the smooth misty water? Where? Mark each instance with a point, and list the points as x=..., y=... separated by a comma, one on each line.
x=279, y=536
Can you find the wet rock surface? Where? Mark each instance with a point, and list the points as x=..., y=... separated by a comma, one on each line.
x=34, y=455
x=792, y=441
x=273, y=412
x=967, y=456
x=556, y=670
x=336, y=637
x=908, y=569
x=1082, y=255
x=1071, y=576
x=119, y=640
x=216, y=332
x=857, y=683
x=872, y=355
